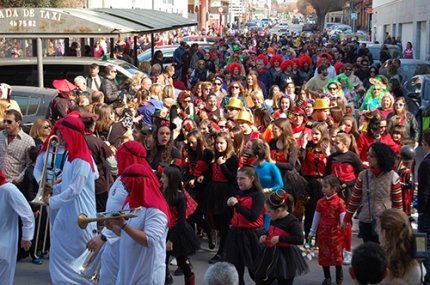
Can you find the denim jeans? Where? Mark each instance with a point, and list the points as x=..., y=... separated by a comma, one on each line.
x=366, y=232
x=424, y=227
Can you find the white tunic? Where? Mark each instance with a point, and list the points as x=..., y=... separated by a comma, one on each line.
x=139, y=264
x=12, y=205
x=111, y=252
x=68, y=240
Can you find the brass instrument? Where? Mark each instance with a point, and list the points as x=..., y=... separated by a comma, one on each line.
x=40, y=196
x=88, y=264
x=83, y=220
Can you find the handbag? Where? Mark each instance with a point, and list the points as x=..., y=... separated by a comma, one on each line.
x=374, y=220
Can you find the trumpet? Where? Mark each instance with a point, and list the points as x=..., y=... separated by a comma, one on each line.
x=83, y=220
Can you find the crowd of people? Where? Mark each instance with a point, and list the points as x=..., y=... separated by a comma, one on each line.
x=266, y=138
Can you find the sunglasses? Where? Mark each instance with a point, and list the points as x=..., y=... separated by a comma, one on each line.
x=377, y=89
x=332, y=88
x=218, y=84
x=399, y=104
x=9, y=122
x=222, y=127
x=370, y=154
x=348, y=69
x=187, y=101
x=236, y=87
x=47, y=127
x=114, y=71
x=372, y=71
x=231, y=109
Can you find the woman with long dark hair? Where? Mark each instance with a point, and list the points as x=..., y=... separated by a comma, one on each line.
x=222, y=186
x=402, y=117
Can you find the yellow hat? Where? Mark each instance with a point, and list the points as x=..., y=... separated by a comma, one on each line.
x=235, y=103
x=245, y=116
x=321, y=104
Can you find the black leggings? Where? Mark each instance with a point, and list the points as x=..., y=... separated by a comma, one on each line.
x=222, y=223
x=326, y=270
x=182, y=263
x=197, y=218
x=270, y=281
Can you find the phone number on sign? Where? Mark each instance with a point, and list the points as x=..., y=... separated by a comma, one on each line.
x=22, y=23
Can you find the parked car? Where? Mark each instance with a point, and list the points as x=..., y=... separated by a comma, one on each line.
x=309, y=27
x=260, y=30
x=168, y=53
x=23, y=71
x=412, y=67
x=267, y=23
x=33, y=102
x=283, y=27
x=341, y=29
x=375, y=50
x=417, y=95
x=295, y=21
x=202, y=39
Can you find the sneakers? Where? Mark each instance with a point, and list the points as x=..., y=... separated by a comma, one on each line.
x=38, y=261
x=215, y=259
x=212, y=239
x=326, y=281
x=339, y=276
x=347, y=257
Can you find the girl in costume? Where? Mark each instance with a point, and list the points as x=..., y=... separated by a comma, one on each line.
x=222, y=186
x=280, y=260
x=328, y=216
x=182, y=241
x=247, y=222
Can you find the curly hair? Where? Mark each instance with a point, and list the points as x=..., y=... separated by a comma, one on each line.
x=384, y=154
x=397, y=242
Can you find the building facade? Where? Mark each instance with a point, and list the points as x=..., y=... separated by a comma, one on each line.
x=409, y=19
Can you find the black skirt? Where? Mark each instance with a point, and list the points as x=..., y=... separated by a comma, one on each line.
x=217, y=196
x=279, y=263
x=243, y=245
x=187, y=244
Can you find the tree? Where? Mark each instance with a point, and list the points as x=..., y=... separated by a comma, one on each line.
x=322, y=7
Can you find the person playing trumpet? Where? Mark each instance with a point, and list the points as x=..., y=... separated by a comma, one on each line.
x=143, y=239
x=128, y=153
x=74, y=195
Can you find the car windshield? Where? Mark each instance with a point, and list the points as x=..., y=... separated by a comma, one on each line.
x=415, y=69
x=375, y=51
x=129, y=67
x=414, y=85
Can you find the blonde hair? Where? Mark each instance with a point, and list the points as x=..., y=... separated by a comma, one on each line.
x=156, y=89
x=156, y=69
x=137, y=80
x=257, y=94
x=145, y=66
x=38, y=127
x=168, y=92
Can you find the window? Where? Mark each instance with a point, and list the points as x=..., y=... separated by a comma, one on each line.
x=168, y=2
x=22, y=102
x=33, y=106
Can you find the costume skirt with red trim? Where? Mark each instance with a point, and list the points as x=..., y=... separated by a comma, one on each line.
x=187, y=243
x=217, y=196
x=279, y=263
x=243, y=245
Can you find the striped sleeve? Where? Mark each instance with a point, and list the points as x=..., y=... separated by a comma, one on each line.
x=396, y=193
x=356, y=197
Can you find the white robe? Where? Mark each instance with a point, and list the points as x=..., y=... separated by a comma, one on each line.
x=12, y=205
x=139, y=264
x=68, y=240
x=111, y=252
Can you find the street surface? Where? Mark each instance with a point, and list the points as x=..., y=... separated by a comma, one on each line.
x=29, y=273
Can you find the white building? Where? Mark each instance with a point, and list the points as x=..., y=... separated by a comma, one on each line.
x=179, y=7
x=409, y=19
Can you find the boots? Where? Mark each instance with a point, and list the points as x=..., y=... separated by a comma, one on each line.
x=191, y=280
x=339, y=276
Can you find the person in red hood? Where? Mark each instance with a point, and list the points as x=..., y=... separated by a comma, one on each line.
x=143, y=239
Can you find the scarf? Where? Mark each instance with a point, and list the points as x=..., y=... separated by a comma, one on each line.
x=2, y=178
x=376, y=171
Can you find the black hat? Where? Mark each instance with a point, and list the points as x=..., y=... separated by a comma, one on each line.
x=407, y=152
x=161, y=118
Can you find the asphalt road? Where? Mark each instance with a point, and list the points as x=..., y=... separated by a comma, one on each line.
x=293, y=28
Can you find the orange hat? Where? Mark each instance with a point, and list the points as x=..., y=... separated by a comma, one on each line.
x=271, y=50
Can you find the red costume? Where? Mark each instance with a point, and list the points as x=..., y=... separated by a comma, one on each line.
x=365, y=140
x=330, y=237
